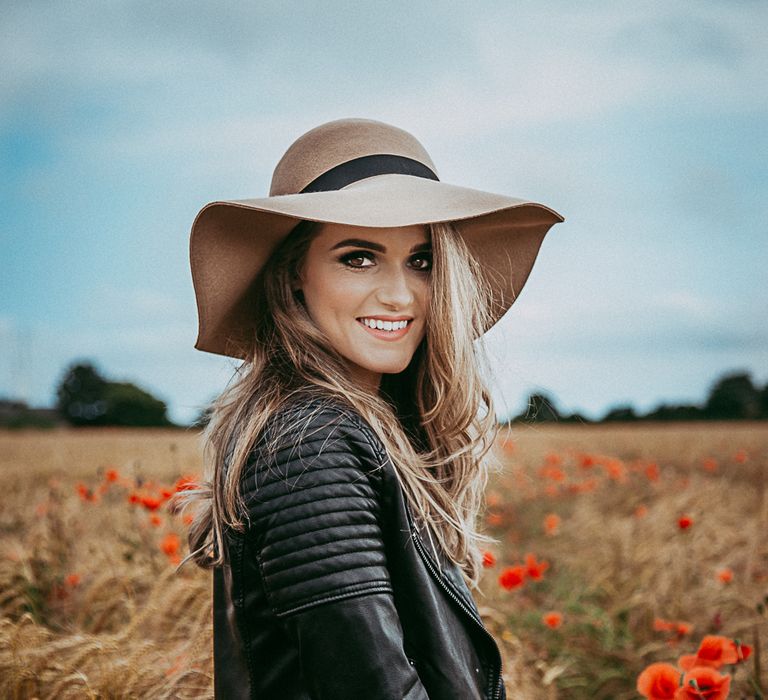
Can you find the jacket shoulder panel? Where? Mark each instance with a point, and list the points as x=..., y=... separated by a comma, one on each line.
x=312, y=496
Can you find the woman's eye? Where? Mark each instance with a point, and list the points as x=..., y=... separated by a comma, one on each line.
x=422, y=263
x=357, y=259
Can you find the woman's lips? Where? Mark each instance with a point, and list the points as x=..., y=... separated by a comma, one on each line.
x=386, y=335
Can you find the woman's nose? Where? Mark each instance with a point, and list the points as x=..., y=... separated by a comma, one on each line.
x=395, y=290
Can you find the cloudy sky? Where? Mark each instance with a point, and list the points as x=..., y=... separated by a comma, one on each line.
x=644, y=124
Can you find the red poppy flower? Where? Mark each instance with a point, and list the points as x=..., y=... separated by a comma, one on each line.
x=85, y=493
x=552, y=472
x=743, y=651
x=715, y=651
x=652, y=472
x=661, y=625
x=725, y=575
x=495, y=519
x=710, y=464
x=615, y=469
x=587, y=486
x=552, y=524
x=512, y=577
x=185, y=483
x=703, y=683
x=150, y=502
x=535, y=569
x=488, y=560
x=552, y=619
x=677, y=628
x=170, y=544
x=684, y=522
x=492, y=499
x=659, y=681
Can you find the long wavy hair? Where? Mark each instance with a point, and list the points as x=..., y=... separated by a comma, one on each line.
x=436, y=418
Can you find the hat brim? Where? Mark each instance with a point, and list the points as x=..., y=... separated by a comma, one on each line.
x=231, y=240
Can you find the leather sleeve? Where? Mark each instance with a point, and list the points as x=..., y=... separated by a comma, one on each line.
x=316, y=530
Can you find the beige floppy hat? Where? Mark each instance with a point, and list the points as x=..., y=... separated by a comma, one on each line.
x=362, y=173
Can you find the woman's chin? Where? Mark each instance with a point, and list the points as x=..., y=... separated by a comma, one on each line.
x=390, y=367
x=385, y=367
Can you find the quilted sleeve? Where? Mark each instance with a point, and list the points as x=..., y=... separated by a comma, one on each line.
x=315, y=529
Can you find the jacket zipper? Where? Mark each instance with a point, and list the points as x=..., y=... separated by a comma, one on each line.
x=496, y=683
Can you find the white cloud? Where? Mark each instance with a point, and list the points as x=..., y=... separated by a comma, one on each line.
x=518, y=65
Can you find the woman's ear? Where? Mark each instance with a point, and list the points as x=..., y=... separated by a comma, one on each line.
x=297, y=276
x=296, y=287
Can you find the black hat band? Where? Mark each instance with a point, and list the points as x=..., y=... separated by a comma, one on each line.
x=368, y=166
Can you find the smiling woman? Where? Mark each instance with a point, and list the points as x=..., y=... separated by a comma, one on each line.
x=344, y=466
x=357, y=283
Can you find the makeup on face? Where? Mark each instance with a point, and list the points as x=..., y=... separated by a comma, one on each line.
x=367, y=290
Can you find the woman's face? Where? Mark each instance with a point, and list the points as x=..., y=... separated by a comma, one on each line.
x=354, y=278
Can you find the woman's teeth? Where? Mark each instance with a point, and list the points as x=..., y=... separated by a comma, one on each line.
x=384, y=325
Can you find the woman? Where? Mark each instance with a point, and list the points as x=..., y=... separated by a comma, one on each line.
x=345, y=464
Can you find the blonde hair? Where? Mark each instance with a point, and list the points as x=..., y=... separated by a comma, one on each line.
x=435, y=419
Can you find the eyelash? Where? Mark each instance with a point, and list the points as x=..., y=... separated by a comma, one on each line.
x=344, y=259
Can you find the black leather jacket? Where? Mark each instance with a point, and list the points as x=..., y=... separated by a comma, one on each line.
x=333, y=592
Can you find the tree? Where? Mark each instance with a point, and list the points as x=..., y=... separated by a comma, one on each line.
x=87, y=398
x=80, y=396
x=576, y=417
x=541, y=409
x=764, y=402
x=620, y=414
x=733, y=396
x=675, y=413
x=129, y=405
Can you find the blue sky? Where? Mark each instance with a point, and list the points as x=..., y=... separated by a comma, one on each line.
x=644, y=124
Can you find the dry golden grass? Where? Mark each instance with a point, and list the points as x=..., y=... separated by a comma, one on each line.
x=619, y=559
x=92, y=607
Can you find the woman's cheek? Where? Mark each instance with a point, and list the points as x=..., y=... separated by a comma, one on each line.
x=347, y=292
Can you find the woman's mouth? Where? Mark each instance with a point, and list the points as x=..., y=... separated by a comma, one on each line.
x=386, y=330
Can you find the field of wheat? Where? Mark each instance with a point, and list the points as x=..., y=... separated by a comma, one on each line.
x=620, y=549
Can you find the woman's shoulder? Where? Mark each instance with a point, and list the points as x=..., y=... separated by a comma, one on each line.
x=316, y=407
x=307, y=424
x=306, y=411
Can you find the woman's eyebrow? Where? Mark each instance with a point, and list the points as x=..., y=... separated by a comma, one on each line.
x=360, y=243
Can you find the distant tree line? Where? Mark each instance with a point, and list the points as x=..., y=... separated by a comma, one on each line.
x=15, y=413
x=732, y=397
x=86, y=398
